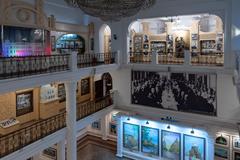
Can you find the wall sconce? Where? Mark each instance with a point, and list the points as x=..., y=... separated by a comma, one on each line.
x=128, y=118
x=168, y=127
x=147, y=122
x=192, y=131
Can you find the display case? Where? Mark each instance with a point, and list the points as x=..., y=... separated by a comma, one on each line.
x=138, y=41
x=158, y=46
x=208, y=46
x=70, y=42
x=20, y=41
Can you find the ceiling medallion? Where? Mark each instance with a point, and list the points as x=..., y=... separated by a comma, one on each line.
x=111, y=10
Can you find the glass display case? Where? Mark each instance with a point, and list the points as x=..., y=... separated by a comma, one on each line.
x=20, y=41
x=71, y=42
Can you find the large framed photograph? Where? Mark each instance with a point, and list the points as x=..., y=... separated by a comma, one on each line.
x=186, y=92
x=50, y=153
x=221, y=153
x=222, y=140
x=193, y=147
x=236, y=142
x=85, y=86
x=131, y=136
x=24, y=103
x=171, y=145
x=150, y=141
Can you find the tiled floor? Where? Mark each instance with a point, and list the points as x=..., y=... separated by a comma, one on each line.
x=93, y=152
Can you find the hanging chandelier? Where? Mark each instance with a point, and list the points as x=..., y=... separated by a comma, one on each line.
x=111, y=10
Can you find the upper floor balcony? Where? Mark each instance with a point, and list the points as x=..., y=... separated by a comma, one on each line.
x=173, y=58
x=15, y=67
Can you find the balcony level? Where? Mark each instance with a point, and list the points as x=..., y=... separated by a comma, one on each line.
x=32, y=132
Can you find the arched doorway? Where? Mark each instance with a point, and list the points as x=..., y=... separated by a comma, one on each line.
x=105, y=42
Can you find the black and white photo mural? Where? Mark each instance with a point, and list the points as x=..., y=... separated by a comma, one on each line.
x=186, y=92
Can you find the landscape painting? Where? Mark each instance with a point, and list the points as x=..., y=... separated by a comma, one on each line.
x=131, y=136
x=150, y=141
x=194, y=148
x=221, y=153
x=171, y=145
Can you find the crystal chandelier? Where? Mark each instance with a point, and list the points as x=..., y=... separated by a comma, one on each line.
x=111, y=10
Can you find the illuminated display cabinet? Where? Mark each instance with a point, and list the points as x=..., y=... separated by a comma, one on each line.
x=70, y=42
x=20, y=41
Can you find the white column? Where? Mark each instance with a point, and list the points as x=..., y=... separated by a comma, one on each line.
x=71, y=120
x=104, y=128
x=187, y=57
x=61, y=150
x=119, y=137
x=154, y=58
x=73, y=61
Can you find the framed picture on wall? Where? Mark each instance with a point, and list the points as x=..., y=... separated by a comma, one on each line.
x=85, y=86
x=193, y=147
x=97, y=125
x=222, y=140
x=24, y=103
x=178, y=91
x=221, y=153
x=236, y=142
x=171, y=145
x=50, y=153
x=131, y=136
x=53, y=43
x=61, y=92
x=236, y=155
x=150, y=141
x=112, y=128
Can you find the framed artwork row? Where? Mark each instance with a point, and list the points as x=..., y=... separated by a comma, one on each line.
x=225, y=146
x=170, y=143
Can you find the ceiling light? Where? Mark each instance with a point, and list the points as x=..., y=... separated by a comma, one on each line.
x=111, y=10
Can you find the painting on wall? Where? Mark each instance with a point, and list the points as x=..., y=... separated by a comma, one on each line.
x=24, y=103
x=131, y=136
x=50, y=153
x=61, y=92
x=171, y=145
x=150, y=141
x=97, y=125
x=221, y=153
x=236, y=142
x=236, y=155
x=186, y=92
x=194, y=147
x=112, y=128
x=222, y=140
x=85, y=86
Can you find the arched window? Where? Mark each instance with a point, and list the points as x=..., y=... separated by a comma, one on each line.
x=105, y=39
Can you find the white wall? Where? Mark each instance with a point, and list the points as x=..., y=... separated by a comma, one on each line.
x=235, y=25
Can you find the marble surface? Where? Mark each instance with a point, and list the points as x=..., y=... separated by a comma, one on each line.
x=94, y=152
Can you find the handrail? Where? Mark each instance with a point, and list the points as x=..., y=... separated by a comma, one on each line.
x=88, y=108
x=95, y=59
x=18, y=139
x=11, y=67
